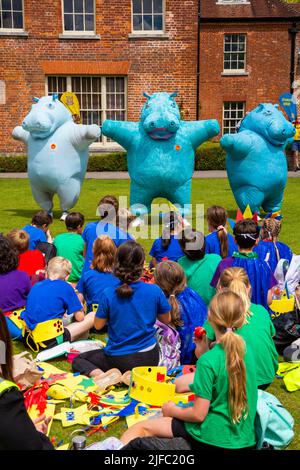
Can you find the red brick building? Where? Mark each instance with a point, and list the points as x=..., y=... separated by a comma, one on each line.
x=109, y=52
x=245, y=56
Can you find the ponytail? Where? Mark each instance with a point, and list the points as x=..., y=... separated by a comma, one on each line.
x=223, y=240
x=217, y=217
x=129, y=265
x=236, y=280
x=175, y=312
x=234, y=347
x=124, y=290
x=170, y=222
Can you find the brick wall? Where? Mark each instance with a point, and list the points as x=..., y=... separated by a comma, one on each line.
x=156, y=64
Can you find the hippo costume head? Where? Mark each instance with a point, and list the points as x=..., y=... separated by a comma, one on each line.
x=160, y=116
x=269, y=122
x=46, y=115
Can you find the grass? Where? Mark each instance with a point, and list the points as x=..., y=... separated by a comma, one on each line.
x=17, y=207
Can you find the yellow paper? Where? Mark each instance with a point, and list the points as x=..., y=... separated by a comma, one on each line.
x=49, y=413
x=72, y=416
x=137, y=418
x=63, y=447
x=71, y=102
x=248, y=214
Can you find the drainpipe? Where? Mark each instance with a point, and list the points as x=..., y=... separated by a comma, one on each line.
x=293, y=32
x=198, y=61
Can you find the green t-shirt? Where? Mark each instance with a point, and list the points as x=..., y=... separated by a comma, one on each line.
x=257, y=333
x=199, y=274
x=211, y=383
x=70, y=246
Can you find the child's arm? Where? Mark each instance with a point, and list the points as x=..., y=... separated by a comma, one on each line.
x=183, y=382
x=79, y=315
x=154, y=262
x=164, y=318
x=191, y=414
x=99, y=323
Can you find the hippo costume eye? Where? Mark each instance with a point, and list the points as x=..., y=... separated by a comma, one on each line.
x=173, y=105
x=51, y=106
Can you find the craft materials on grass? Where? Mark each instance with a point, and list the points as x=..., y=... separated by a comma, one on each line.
x=77, y=347
x=49, y=412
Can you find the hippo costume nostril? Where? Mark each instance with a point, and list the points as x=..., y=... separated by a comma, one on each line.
x=160, y=151
x=255, y=158
x=57, y=152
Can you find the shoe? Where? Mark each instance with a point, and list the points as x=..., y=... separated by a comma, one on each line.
x=64, y=216
x=107, y=379
x=296, y=169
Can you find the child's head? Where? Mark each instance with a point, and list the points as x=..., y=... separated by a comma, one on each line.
x=59, y=268
x=170, y=277
x=129, y=265
x=246, y=233
x=19, y=239
x=237, y=280
x=104, y=254
x=42, y=220
x=216, y=219
x=74, y=222
x=126, y=217
x=270, y=229
x=226, y=315
x=108, y=208
x=192, y=243
x=6, y=368
x=8, y=255
x=172, y=223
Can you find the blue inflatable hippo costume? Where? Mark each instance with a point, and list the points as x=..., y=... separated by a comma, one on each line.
x=160, y=151
x=57, y=152
x=255, y=158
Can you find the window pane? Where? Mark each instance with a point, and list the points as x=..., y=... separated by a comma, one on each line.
x=18, y=20
x=234, y=47
x=111, y=101
x=89, y=22
x=110, y=85
x=137, y=6
x=147, y=5
x=147, y=22
x=7, y=19
x=68, y=6
x=17, y=5
x=6, y=5
x=79, y=23
x=120, y=84
x=69, y=23
x=78, y=6
x=96, y=84
x=158, y=23
x=157, y=6
x=120, y=101
x=89, y=6
x=137, y=22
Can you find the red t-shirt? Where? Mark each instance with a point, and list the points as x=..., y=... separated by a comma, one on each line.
x=31, y=261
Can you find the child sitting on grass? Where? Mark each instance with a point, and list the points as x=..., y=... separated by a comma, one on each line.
x=70, y=245
x=48, y=303
x=96, y=280
x=269, y=248
x=218, y=241
x=223, y=413
x=30, y=261
x=15, y=286
x=188, y=309
x=38, y=230
x=108, y=208
x=199, y=268
x=167, y=246
x=130, y=311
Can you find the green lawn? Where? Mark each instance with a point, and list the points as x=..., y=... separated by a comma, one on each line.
x=17, y=207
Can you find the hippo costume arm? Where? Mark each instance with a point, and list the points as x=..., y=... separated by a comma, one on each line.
x=84, y=136
x=120, y=131
x=200, y=131
x=20, y=134
x=237, y=145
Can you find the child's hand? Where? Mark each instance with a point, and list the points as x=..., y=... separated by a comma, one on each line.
x=41, y=424
x=201, y=346
x=168, y=409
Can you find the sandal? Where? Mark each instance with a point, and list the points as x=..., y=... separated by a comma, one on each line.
x=105, y=380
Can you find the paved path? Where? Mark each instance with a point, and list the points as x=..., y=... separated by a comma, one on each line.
x=123, y=175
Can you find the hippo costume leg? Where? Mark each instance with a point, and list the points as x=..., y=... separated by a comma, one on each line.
x=182, y=197
x=140, y=199
x=274, y=203
x=43, y=198
x=249, y=195
x=69, y=193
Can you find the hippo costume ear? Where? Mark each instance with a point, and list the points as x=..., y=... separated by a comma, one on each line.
x=35, y=99
x=276, y=106
x=260, y=107
x=174, y=94
x=146, y=95
x=55, y=97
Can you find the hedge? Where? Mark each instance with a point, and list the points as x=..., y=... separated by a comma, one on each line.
x=209, y=156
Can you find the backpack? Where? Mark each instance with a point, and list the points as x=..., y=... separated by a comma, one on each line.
x=287, y=326
x=169, y=345
x=273, y=423
x=48, y=250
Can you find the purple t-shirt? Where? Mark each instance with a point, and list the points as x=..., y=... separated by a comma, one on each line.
x=14, y=288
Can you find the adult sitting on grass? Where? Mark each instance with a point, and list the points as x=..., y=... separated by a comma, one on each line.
x=17, y=430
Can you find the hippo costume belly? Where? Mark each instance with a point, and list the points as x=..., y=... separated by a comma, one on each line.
x=160, y=151
x=57, y=152
x=255, y=159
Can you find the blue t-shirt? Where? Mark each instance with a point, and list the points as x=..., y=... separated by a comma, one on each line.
x=92, y=284
x=36, y=235
x=267, y=252
x=50, y=299
x=173, y=252
x=94, y=230
x=131, y=320
x=212, y=244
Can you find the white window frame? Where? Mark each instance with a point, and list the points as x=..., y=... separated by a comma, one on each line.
x=3, y=30
x=233, y=2
x=235, y=71
x=104, y=144
x=230, y=110
x=74, y=31
x=149, y=31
